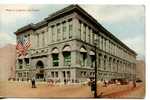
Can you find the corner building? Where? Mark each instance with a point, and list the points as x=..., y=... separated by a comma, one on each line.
x=63, y=47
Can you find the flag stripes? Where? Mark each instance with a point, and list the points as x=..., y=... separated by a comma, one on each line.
x=22, y=46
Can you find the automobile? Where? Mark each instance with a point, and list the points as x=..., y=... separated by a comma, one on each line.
x=138, y=81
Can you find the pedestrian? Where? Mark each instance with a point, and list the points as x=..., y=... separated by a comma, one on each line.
x=93, y=86
x=134, y=84
x=105, y=84
x=65, y=81
x=33, y=82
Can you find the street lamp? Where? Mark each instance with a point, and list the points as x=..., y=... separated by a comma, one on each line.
x=95, y=92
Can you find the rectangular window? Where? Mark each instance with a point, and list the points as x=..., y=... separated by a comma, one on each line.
x=93, y=37
x=83, y=59
x=55, y=60
x=58, y=32
x=99, y=42
x=104, y=64
x=80, y=28
x=52, y=30
x=52, y=74
x=84, y=32
x=102, y=43
x=92, y=61
x=68, y=74
x=89, y=35
x=64, y=74
x=70, y=29
x=106, y=45
x=20, y=61
x=19, y=74
x=64, y=30
x=26, y=61
x=20, y=66
x=24, y=74
x=43, y=38
x=37, y=40
x=27, y=74
x=56, y=73
x=97, y=39
x=99, y=61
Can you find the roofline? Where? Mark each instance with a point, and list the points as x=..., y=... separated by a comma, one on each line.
x=67, y=10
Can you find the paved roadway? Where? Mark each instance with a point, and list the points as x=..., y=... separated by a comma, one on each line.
x=23, y=89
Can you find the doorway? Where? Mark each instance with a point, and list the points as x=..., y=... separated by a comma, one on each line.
x=40, y=70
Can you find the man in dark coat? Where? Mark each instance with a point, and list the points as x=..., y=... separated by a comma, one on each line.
x=33, y=82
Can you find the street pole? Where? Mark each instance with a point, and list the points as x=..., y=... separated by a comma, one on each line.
x=95, y=92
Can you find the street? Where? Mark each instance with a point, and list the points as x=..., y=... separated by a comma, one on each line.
x=23, y=89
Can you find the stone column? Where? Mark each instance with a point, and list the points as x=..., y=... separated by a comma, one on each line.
x=78, y=59
x=73, y=74
x=61, y=59
x=73, y=58
x=76, y=33
x=50, y=61
x=60, y=75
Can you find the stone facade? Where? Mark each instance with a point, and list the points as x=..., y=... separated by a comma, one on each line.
x=63, y=48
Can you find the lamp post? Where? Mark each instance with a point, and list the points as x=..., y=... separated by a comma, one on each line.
x=95, y=92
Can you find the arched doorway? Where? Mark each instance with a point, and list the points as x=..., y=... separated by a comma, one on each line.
x=40, y=70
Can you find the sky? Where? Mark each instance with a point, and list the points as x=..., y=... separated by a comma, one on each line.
x=126, y=22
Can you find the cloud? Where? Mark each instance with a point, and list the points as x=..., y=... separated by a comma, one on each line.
x=137, y=44
x=5, y=38
x=125, y=21
x=113, y=13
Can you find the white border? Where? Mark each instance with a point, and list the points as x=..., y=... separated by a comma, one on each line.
x=128, y=2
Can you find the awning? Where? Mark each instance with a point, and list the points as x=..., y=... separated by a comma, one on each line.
x=92, y=53
x=66, y=49
x=83, y=50
x=55, y=51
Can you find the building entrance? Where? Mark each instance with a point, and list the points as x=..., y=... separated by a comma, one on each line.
x=40, y=70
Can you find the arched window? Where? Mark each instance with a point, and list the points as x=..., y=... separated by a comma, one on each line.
x=67, y=55
x=55, y=57
x=83, y=57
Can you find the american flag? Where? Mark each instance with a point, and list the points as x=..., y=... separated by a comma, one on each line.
x=22, y=45
x=27, y=43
